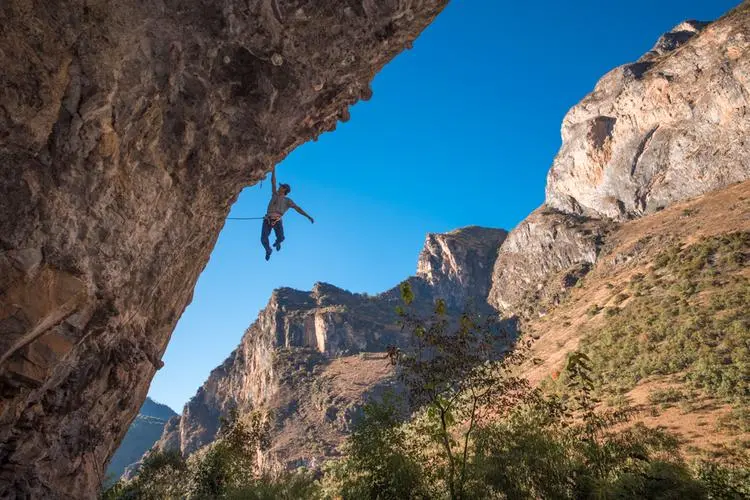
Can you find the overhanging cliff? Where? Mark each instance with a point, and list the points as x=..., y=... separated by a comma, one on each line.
x=127, y=129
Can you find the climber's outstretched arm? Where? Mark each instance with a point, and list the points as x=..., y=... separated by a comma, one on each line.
x=273, y=179
x=302, y=212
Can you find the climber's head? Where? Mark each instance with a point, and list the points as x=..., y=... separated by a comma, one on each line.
x=285, y=189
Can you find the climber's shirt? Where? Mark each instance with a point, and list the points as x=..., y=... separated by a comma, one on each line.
x=278, y=206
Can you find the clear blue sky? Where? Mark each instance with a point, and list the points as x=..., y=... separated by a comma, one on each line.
x=461, y=130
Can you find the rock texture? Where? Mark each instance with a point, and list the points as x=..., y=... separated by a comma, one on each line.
x=458, y=265
x=543, y=256
x=325, y=321
x=143, y=433
x=127, y=129
x=671, y=126
x=312, y=357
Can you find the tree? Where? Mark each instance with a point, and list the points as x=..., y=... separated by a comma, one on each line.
x=161, y=476
x=230, y=462
x=460, y=373
x=379, y=463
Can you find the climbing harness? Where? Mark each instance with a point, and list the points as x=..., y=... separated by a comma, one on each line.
x=271, y=220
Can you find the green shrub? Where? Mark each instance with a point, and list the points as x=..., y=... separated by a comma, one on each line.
x=689, y=316
x=377, y=463
x=620, y=298
x=299, y=485
x=229, y=462
x=667, y=396
x=737, y=420
x=724, y=481
x=593, y=310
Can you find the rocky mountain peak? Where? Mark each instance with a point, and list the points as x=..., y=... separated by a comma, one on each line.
x=299, y=332
x=669, y=127
x=456, y=264
x=675, y=38
x=325, y=294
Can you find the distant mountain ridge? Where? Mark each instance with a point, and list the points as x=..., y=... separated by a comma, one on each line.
x=153, y=409
x=145, y=430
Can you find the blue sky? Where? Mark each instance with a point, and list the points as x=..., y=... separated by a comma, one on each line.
x=461, y=130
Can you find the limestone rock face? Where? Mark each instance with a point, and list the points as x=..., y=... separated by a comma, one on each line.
x=458, y=264
x=671, y=126
x=312, y=357
x=325, y=322
x=127, y=129
x=545, y=254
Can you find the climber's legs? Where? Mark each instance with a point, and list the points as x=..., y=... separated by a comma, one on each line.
x=264, y=232
x=278, y=229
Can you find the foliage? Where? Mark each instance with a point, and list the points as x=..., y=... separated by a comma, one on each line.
x=459, y=375
x=687, y=315
x=542, y=447
x=723, y=481
x=737, y=420
x=297, y=485
x=378, y=464
x=216, y=471
x=667, y=397
x=536, y=454
x=229, y=462
x=161, y=475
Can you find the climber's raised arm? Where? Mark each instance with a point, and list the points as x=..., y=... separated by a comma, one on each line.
x=273, y=179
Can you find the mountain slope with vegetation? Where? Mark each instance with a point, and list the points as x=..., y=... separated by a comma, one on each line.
x=663, y=316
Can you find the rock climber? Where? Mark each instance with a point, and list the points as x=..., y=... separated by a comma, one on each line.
x=278, y=205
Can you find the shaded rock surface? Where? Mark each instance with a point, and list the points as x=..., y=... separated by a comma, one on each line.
x=313, y=357
x=127, y=129
x=143, y=433
x=547, y=253
x=668, y=127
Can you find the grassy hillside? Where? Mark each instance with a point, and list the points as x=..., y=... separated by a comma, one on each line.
x=665, y=319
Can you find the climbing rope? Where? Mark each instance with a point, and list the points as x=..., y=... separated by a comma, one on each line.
x=249, y=218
